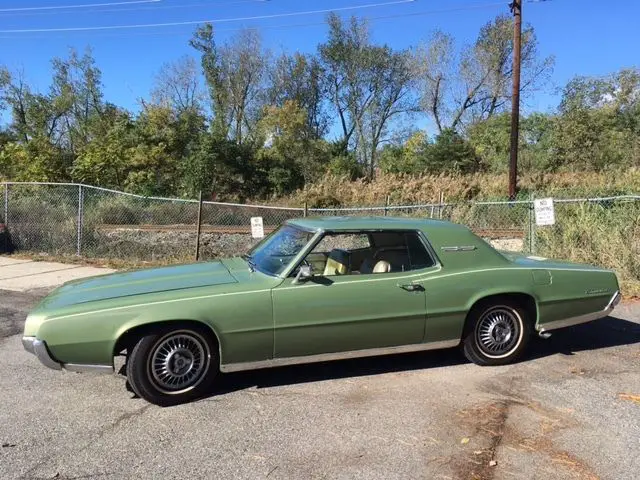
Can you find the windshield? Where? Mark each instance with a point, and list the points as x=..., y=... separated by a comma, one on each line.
x=276, y=251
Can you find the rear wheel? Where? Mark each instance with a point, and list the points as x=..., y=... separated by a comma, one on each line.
x=497, y=332
x=172, y=365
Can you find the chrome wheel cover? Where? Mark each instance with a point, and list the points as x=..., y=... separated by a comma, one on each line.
x=178, y=362
x=499, y=332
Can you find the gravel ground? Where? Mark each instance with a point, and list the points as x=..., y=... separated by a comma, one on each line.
x=570, y=411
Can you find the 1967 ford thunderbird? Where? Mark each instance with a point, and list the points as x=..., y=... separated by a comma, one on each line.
x=315, y=289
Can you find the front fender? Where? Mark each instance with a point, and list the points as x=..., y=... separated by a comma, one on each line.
x=242, y=321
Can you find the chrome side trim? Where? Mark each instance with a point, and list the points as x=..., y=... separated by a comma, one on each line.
x=464, y=248
x=87, y=368
x=27, y=343
x=589, y=317
x=326, y=357
x=615, y=300
x=42, y=352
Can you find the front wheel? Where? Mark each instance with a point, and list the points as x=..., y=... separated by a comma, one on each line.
x=172, y=365
x=496, y=333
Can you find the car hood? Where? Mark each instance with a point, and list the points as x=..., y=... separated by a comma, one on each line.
x=138, y=282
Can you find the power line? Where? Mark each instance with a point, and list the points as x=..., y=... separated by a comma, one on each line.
x=64, y=7
x=196, y=22
x=147, y=8
x=285, y=26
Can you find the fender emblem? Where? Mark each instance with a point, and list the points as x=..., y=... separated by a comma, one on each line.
x=596, y=291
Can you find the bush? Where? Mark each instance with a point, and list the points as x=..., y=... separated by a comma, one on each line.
x=114, y=212
x=170, y=213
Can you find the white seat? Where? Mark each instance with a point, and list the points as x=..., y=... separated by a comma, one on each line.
x=382, y=267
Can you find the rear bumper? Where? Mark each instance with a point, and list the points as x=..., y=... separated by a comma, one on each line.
x=589, y=317
x=40, y=350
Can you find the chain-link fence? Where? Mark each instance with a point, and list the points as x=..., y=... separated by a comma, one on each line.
x=63, y=219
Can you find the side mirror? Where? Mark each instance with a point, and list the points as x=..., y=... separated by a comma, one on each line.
x=304, y=274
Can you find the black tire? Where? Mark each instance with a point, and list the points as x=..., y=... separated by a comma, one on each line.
x=173, y=365
x=503, y=343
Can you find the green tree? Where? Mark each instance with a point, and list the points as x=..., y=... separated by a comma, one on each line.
x=451, y=153
x=290, y=143
x=411, y=157
x=368, y=85
x=460, y=88
x=491, y=140
x=106, y=160
x=598, y=123
x=177, y=86
x=235, y=74
x=300, y=78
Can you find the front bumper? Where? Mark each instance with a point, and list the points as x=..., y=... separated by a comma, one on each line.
x=40, y=350
x=589, y=317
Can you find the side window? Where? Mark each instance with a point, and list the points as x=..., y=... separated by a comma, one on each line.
x=399, y=252
x=339, y=254
x=418, y=255
x=368, y=253
x=342, y=241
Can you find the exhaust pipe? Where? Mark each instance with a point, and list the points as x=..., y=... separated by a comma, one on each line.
x=544, y=334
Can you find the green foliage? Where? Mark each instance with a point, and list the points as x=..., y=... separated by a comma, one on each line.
x=345, y=166
x=36, y=161
x=451, y=153
x=409, y=158
x=265, y=129
x=115, y=211
x=492, y=139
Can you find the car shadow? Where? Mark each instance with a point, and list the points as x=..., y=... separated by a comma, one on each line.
x=604, y=333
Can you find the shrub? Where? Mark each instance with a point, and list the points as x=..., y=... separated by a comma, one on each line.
x=114, y=212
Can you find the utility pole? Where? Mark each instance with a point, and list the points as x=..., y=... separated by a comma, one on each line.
x=516, y=9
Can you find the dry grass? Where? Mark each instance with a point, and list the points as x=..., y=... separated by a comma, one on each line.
x=115, y=263
x=415, y=189
x=607, y=236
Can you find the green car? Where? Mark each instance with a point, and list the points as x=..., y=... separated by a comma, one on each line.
x=315, y=289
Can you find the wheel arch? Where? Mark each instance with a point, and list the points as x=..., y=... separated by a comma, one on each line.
x=128, y=338
x=525, y=299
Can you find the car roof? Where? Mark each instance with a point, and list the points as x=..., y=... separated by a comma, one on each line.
x=373, y=223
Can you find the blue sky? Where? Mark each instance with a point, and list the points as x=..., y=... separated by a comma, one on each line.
x=587, y=37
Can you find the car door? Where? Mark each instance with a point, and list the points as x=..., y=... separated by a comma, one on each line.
x=328, y=314
x=344, y=313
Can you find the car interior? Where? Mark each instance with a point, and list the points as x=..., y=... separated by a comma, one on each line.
x=369, y=253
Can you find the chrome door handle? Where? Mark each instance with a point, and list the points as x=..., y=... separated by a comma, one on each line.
x=411, y=287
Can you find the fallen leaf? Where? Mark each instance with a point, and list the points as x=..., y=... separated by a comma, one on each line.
x=630, y=397
x=464, y=440
x=493, y=463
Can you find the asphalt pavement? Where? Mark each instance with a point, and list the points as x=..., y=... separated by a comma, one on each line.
x=571, y=410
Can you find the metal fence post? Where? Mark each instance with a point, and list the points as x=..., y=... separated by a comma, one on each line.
x=306, y=209
x=6, y=218
x=80, y=219
x=198, y=226
x=532, y=223
x=6, y=204
x=386, y=206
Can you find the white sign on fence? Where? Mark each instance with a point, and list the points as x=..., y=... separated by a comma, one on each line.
x=545, y=213
x=257, y=227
